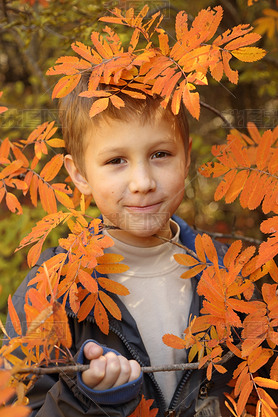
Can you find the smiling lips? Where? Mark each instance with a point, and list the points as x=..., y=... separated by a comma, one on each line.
x=144, y=209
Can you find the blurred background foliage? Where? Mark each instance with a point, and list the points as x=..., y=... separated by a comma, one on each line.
x=34, y=33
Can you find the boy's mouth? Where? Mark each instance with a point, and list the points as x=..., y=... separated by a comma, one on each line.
x=147, y=208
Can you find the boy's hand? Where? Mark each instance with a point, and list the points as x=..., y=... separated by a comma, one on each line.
x=108, y=371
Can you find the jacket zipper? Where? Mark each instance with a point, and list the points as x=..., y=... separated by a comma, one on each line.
x=137, y=358
x=183, y=382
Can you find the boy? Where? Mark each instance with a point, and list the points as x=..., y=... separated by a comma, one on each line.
x=134, y=162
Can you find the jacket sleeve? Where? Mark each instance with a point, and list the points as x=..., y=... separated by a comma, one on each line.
x=61, y=395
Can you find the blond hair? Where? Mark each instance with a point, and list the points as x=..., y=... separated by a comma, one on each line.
x=75, y=120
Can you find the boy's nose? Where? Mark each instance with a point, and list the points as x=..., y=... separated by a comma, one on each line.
x=141, y=180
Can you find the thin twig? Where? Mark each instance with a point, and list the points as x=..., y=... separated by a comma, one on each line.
x=146, y=369
x=231, y=236
x=219, y=114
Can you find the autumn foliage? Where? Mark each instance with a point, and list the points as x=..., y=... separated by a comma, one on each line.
x=234, y=319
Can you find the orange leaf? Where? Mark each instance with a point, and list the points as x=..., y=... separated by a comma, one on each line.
x=101, y=317
x=63, y=198
x=200, y=249
x=56, y=143
x=225, y=184
x=10, y=169
x=193, y=271
x=220, y=368
x=243, y=396
x=243, y=41
x=14, y=317
x=47, y=197
x=117, y=101
x=191, y=101
x=111, y=268
x=51, y=169
x=62, y=330
x=110, y=305
x=109, y=258
x=98, y=106
x=87, y=281
x=232, y=253
x=73, y=298
x=65, y=85
x=34, y=253
x=266, y=397
x=236, y=186
x=209, y=248
x=143, y=409
x=173, y=341
x=263, y=150
x=187, y=260
x=86, y=306
x=113, y=286
x=231, y=75
x=13, y=204
x=265, y=382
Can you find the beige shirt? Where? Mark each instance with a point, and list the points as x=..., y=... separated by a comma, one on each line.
x=159, y=301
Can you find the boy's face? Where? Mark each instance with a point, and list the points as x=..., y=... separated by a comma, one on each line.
x=136, y=174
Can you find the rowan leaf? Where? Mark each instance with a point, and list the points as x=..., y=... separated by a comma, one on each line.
x=98, y=106
x=13, y=204
x=10, y=169
x=184, y=259
x=101, y=317
x=87, y=281
x=192, y=272
x=112, y=286
x=243, y=396
x=265, y=382
x=110, y=305
x=14, y=317
x=144, y=409
x=224, y=185
x=51, y=169
x=86, y=306
x=173, y=341
x=249, y=54
x=111, y=268
x=191, y=101
x=65, y=85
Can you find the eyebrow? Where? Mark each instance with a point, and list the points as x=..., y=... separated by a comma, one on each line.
x=120, y=150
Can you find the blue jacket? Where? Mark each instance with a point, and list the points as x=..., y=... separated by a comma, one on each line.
x=66, y=395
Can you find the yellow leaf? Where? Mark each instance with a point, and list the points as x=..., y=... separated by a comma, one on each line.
x=111, y=268
x=249, y=53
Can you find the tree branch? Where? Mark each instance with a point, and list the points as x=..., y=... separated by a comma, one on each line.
x=231, y=236
x=217, y=112
x=146, y=369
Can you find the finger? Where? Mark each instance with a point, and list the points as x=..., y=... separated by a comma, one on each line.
x=112, y=371
x=125, y=372
x=135, y=370
x=96, y=373
x=92, y=351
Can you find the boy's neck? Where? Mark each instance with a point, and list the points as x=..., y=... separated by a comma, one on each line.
x=139, y=241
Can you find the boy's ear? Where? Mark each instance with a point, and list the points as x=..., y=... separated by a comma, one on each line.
x=78, y=179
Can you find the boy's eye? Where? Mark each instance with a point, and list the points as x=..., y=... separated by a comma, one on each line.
x=116, y=161
x=159, y=154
